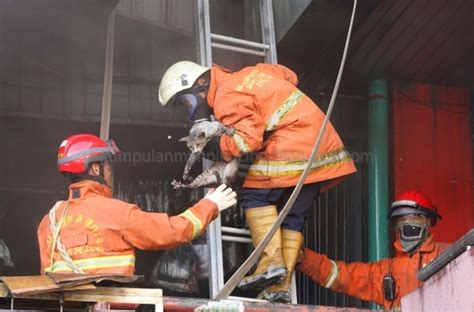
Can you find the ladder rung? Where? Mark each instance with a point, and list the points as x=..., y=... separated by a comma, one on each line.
x=243, y=42
x=233, y=230
x=237, y=49
x=236, y=239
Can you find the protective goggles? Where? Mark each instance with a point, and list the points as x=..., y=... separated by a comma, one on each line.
x=113, y=148
x=190, y=102
x=403, y=207
x=411, y=231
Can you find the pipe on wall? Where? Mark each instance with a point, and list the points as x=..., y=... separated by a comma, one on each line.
x=378, y=189
x=378, y=171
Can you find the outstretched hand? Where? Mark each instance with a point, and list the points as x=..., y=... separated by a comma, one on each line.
x=223, y=196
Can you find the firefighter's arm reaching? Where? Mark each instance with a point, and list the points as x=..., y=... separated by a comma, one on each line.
x=361, y=280
x=159, y=231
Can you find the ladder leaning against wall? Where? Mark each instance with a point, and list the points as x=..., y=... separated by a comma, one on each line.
x=267, y=50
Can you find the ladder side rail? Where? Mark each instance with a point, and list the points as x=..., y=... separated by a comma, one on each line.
x=204, y=25
x=213, y=234
x=268, y=47
x=268, y=30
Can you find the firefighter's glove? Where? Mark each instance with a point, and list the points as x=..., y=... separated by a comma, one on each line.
x=212, y=150
x=223, y=196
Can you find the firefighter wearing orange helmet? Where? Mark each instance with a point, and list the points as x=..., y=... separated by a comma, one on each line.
x=93, y=233
x=275, y=120
x=385, y=281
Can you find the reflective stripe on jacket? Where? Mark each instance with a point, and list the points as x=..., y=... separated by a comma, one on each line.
x=272, y=117
x=101, y=233
x=365, y=280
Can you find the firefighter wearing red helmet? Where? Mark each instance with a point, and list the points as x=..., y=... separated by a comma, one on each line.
x=90, y=232
x=78, y=152
x=385, y=281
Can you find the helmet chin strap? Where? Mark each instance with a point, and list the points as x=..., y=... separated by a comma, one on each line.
x=98, y=178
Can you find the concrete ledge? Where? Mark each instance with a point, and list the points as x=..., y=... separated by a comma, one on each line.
x=451, y=289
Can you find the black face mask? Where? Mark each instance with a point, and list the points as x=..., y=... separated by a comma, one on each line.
x=412, y=235
x=197, y=108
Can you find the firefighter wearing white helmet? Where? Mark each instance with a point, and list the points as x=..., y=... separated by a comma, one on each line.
x=179, y=85
x=275, y=126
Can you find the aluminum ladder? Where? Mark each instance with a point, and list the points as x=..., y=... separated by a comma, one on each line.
x=266, y=50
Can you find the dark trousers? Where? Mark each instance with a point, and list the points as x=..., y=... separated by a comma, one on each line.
x=296, y=218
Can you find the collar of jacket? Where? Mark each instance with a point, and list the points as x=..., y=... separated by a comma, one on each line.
x=88, y=187
x=217, y=74
x=427, y=246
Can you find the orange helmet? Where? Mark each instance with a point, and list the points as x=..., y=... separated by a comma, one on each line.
x=413, y=202
x=78, y=151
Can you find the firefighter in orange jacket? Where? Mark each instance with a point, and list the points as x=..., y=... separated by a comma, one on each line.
x=93, y=233
x=275, y=120
x=385, y=281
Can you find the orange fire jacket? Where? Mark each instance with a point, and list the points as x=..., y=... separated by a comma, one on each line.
x=101, y=233
x=365, y=280
x=274, y=118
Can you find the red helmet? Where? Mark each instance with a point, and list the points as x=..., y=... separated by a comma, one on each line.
x=78, y=151
x=413, y=202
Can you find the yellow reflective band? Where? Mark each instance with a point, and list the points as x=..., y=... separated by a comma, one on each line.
x=288, y=105
x=332, y=277
x=280, y=168
x=197, y=224
x=241, y=144
x=95, y=263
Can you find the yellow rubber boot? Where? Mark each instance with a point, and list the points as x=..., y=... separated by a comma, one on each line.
x=271, y=268
x=292, y=244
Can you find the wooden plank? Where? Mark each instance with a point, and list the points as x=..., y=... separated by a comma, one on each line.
x=393, y=36
x=383, y=64
x=370, y=23
x=22, y=285
x=453, y=64
x=330, y=50
x=433, y=25
x=99, y=294
x=372, y=39
x=431, y=56
x=117, y=295
x=433, y=41
x=444, y=55
x=74, y=279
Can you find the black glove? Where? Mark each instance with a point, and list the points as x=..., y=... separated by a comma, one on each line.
x=212, y=150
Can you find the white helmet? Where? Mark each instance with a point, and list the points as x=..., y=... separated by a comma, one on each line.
x=180, y=76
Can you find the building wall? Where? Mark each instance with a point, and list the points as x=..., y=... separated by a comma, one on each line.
x=432, y=152
x=447, y=290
